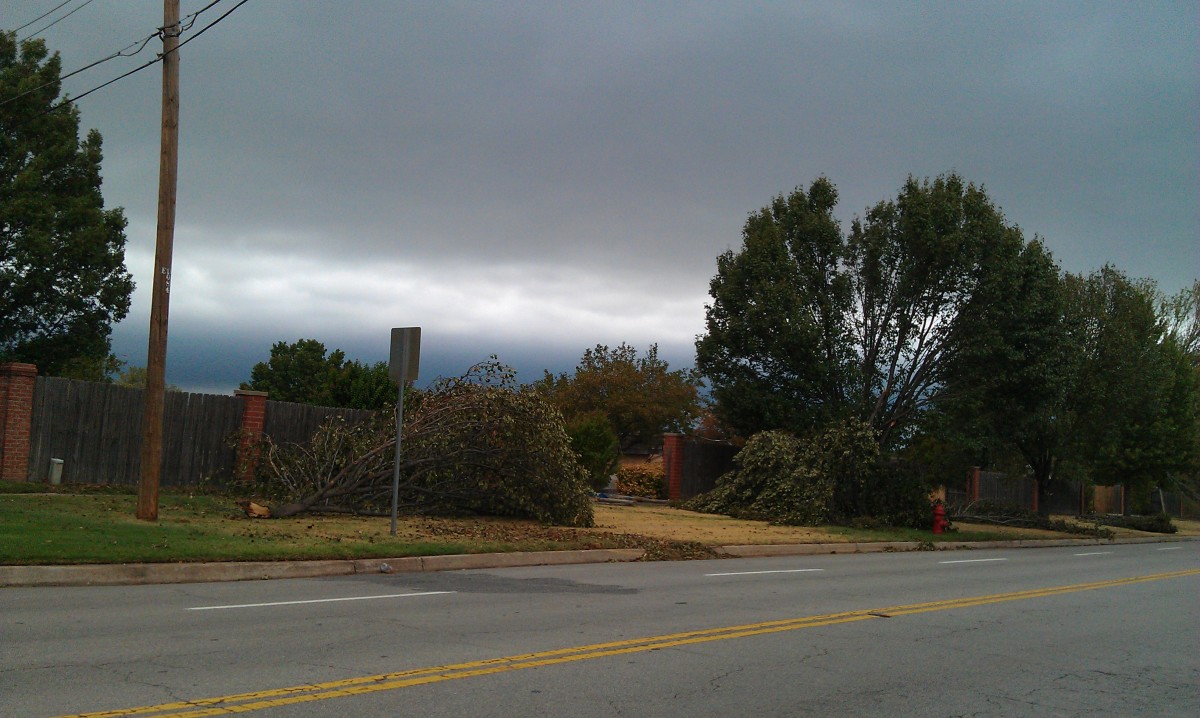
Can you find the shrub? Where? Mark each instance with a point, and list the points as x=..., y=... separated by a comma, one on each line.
x=594, y=440
x=1007, y=515
x=644, y=480
x=473, y=444
x=1159, y=524
x=770, y=482
x=835, y=476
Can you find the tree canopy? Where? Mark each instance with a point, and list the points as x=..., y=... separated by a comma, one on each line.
x=1086, y=376
x=63, y=280
x=641, y=396
x=303, y=373
x=810, y=325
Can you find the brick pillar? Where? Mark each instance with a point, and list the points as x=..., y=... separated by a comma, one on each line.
x=254, y=413
x=673, y=465
x=973, y=486
x=16, y=417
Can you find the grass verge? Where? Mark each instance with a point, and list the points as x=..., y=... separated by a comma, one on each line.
x=80, y=528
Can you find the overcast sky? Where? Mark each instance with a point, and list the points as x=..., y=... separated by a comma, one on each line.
x=530, y=179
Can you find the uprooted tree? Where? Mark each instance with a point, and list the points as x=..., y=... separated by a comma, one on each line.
x=835, y=476
x=475, y=444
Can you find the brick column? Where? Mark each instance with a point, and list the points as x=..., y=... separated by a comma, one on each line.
x=973, y=486
x=254, y=414
x=673, y=465
x=16, y=417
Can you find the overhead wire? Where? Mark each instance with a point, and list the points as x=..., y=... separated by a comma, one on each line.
x=186, y=24
x=115, y=55
x=39, y=17
x=191, y=21
x=64, y=17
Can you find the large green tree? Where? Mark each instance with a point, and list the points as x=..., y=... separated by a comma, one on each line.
x=1014, y=381
x=1136, y=395
x=641, y=396
x=302, y=372
x=63, y=280
x=809, y=325
x=1082, y=375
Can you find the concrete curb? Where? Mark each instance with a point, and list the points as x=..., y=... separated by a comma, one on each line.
x=815, y=549
x=143, y=573
x=148, y=573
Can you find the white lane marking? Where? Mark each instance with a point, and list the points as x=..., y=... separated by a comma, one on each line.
x=318, y=600
x=1172, y=548
x=751, y=573
x=1095, y=553
x=975, y=560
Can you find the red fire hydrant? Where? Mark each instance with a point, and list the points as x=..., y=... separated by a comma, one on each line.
x=939, y=518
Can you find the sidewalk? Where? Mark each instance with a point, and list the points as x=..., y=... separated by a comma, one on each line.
x=152, y=573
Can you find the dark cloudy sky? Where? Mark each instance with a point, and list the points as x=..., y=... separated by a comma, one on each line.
x=530, y=179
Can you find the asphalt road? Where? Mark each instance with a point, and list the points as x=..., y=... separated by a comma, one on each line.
x=1096, y=630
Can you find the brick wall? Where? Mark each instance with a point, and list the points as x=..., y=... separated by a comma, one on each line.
x=254, y=415
x=16, y=409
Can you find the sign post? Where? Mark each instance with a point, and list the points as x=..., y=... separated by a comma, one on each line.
x=403, y=363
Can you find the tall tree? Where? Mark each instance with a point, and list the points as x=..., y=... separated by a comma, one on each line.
x=1136, y=394
x=301, y=372
x=1078, y=374
x=63, y=280
x=641, y=396
x=809, y=325
x=1015, y=380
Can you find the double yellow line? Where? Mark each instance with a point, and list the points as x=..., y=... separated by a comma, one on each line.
x=259, y=700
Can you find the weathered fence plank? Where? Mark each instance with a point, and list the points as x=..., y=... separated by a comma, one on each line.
x=96, y=430
x=290, y=423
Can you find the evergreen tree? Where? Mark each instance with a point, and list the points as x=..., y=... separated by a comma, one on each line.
x=63, y=280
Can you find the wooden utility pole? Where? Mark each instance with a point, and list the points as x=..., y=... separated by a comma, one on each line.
x=156, y=354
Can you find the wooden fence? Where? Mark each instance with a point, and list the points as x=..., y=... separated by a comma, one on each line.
x=692, y=466
x=95, y=429
x=288, y=423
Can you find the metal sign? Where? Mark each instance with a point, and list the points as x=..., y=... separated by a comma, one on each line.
x=402, y=368
x=405, y=357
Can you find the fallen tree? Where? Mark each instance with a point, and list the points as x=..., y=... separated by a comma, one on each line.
x=475, y=444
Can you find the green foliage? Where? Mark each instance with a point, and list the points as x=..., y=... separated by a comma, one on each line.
x=302, y=373
x=63, y=281
x=646, y=480
x=135, y=377
x=593, y=439
x=809, y=326
x=1159, y=523
x=472, y=444
x=640, y=395
x=1007, y=515
x=834, y=477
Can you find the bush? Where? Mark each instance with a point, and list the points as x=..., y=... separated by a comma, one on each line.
x=594, y=440
x=473, y=444
x=1160, y=524
x=645, y=480
x=1007, y=515
x=834, y=477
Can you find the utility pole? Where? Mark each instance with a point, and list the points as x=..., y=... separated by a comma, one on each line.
x=156, y=354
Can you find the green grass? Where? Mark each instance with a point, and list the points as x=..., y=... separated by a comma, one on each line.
x=67, y=528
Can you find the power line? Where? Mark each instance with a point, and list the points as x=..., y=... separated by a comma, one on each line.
x=64, y=17
x=39, y=17
x=157, y=59
x=118, y=53
x=214, y=22
x=188, y=19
